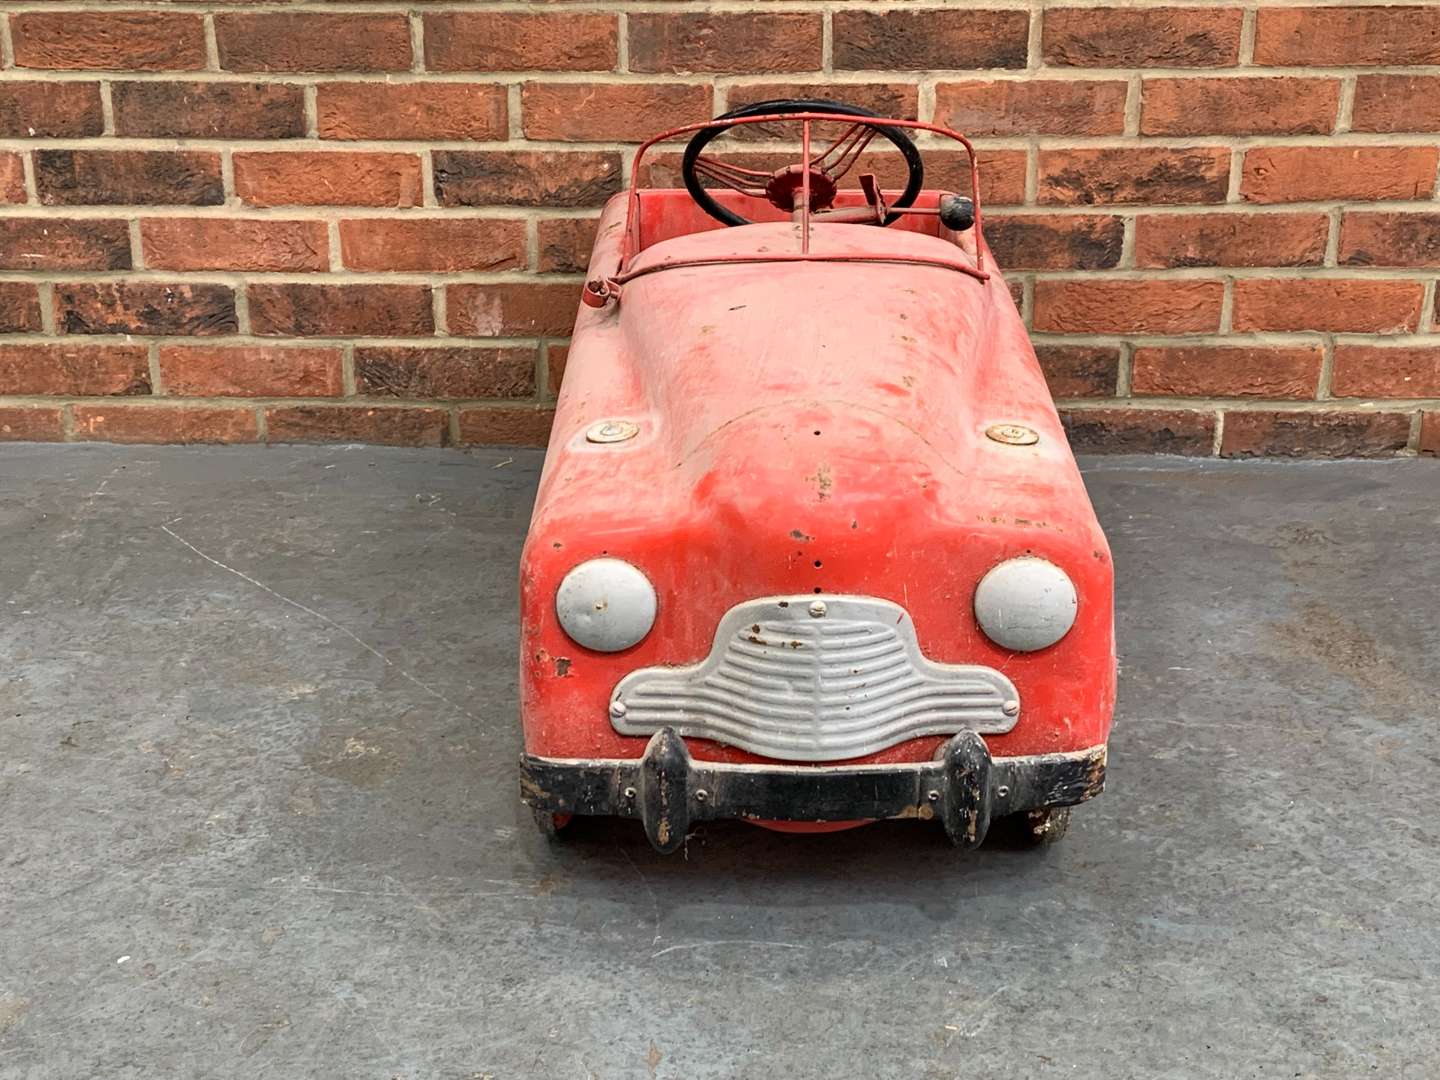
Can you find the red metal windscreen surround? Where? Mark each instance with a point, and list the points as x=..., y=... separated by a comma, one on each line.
x=825, y=168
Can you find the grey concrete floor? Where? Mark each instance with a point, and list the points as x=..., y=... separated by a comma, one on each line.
x=258, y=813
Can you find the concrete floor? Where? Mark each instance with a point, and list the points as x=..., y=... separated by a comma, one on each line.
x=258, y=813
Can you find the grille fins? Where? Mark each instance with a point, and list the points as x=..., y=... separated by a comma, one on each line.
x=784, y=684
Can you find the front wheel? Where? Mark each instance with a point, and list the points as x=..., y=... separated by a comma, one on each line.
x=551, y=825
x=1031, y=828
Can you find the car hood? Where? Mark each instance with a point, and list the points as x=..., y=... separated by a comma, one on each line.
x=811, y=383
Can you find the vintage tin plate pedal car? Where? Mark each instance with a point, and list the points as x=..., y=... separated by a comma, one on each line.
x=810, y=548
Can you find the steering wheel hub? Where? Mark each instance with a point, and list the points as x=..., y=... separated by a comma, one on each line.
x=785, y=186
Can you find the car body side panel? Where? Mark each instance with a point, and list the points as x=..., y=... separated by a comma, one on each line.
x=809, y=427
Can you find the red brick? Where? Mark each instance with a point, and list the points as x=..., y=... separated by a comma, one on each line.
x=1430, y=433
x=610, y=112
x=1002, y=172
x=335, y=178
x=904, y=40
x=897, y=100
x=491, y=41
x=433, y=110
x=163, y=424
x=512, y=309
x=1224, y=239
x=1207, y=371
x=226, y=110
x=565, y=244
x=1141, y=37
x=384, y=426
x=752, y=42
x=1279, y=174
x=304, y=310
x=432, y=244
x=1131, y=306
x=50, y=109
x=1340, y=36
x=556, y=356
x=1390, y=239
x=1140, y=431
x=80, y=370
x=234, y=244
x=12, y=178
x=450, y=373
x=498, y=426
x=1361, y=307
x=1396, y=103
x=1365, y=371
x=144, y=307
x=63, y=244
x=128, y=177
x=313, y=41
x=108, y=40
x=19, y=307
x=23, y=424
x=1079, y=371
x=1032, y=107
x=1055, y=241
x=250, y=371
x=1123, y=175
x=1239, y=106
x=1314, y=434
x=1016, y=287
x=525, y=177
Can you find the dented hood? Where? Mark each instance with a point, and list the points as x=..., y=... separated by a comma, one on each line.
x=760, y=384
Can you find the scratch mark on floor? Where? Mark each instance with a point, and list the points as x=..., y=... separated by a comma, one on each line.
x=323, y=618
x=733, y=941
x=977, y=1022
x=654, y=901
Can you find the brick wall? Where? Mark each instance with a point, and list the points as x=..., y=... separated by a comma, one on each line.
x=235, y=222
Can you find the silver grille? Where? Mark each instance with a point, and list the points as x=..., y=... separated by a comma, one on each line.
x=845, y=681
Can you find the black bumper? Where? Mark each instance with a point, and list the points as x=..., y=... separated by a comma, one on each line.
x=964, y=787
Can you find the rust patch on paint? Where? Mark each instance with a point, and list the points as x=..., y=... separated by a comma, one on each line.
x=923, y=812
x=823, y=482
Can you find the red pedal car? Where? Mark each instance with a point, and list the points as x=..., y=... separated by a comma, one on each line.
x=810, y=548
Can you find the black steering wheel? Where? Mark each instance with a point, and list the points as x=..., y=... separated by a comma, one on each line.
x=782, y=188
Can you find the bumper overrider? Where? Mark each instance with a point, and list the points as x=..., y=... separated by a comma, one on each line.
x=668, y=790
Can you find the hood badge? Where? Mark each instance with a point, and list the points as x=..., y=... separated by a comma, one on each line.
x=1012, y=434
x=612, y=431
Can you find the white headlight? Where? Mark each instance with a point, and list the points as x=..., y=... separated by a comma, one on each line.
x=1025, y=604
x=606, y=605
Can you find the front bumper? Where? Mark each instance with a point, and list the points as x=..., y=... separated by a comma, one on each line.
x=668, y=790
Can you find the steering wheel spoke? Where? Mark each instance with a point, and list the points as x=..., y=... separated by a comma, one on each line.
x=836, y=145
x=746, y=181
x=846, y=150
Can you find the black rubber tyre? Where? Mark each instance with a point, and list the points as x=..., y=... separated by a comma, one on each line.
x=701, y=139
x=1030, y=828
x=549, y=828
